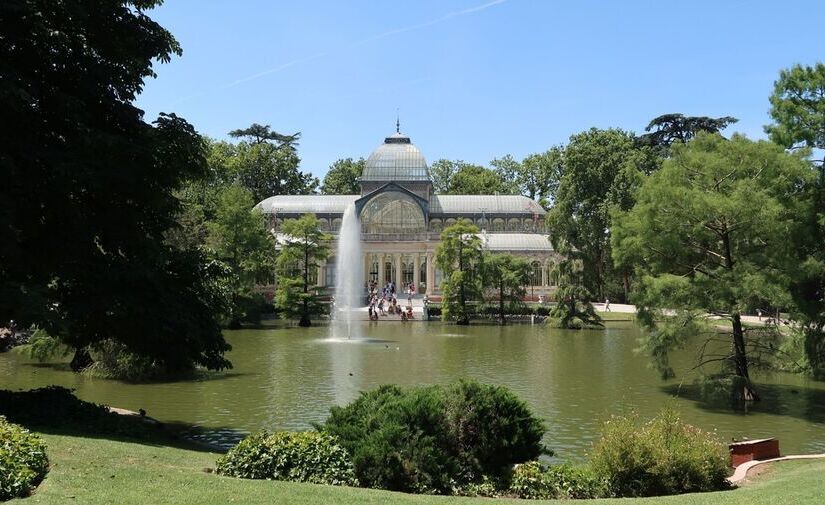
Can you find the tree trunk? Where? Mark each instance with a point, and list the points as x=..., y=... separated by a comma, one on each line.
x=81, y=360
x=740, y=359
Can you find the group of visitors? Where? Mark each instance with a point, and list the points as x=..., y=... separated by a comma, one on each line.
x=384, y=302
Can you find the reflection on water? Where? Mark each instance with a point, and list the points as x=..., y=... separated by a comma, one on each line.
x=287, y=378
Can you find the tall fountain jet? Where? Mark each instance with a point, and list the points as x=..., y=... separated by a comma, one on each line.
x=349, y=268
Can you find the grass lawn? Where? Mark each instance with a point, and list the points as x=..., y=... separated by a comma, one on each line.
x=96, y=470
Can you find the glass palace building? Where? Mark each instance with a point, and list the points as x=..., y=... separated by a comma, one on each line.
x=402, y=218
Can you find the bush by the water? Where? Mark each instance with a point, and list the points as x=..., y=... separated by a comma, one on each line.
x=661, y=457
x=534, y=481
x=58, y=407
x=307, y=456
x=436, y=439
x=23, y=461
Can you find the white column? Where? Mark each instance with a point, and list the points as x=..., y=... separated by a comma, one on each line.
x=321, y=274
x=544, y=278
x=366, y=273
x=430, y=274
x=381, y=279
x=416, y=271
x=398, y=271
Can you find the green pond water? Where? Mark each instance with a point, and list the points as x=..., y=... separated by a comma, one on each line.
x=286, y=378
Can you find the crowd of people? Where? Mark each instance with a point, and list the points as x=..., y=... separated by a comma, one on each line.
x=384, y=301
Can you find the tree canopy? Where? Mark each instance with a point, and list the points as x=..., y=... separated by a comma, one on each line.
x=714, y=232
x=798, y=107
x=89, y=188
x=342, y=177
x=476, y=180
x=259, y=134
x=670, y=128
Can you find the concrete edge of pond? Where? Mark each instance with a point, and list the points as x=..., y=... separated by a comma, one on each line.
x=742, y=470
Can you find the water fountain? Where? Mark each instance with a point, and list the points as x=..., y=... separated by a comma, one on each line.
x=350, y=276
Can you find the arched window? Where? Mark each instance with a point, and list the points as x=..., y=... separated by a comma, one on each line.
x=535, y=273
x=435, y=225
x=392, y=212
x=498, y=224
x=336, y=224
x=407, y=271
x=514, y=225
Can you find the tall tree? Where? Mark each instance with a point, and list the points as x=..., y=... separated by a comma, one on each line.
x=441, y=172
x=260, y=134
x=476, y=180
x=798, y=107
x=89, y=188
x=670, y=128
x=239, y=238
x=600, y=172
x=713, y=232
x=265, y=170
x=459, y=256
x=506, y=275
x=303, y=248
x=342, y=178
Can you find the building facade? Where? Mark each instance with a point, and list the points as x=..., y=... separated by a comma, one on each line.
x=402, y=219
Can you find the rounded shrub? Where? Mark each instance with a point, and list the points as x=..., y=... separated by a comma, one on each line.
x=23, y=460
x=661, y=457
x=436, y=439
x=307, y=456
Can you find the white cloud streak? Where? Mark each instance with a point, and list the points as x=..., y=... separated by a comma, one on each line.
x=306, y=59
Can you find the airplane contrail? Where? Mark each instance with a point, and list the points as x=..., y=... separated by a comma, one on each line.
x=284, y=66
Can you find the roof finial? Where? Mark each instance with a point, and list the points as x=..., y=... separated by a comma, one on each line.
x=397, y=121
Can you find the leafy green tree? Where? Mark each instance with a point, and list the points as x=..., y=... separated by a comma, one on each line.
x=266, y=170
x=303, y=248
x=459, y=256
x=476, y=180
x=670, y=128
x=600, y=172
x=505, y=276
x=260, y=134
x=342, y=178
x=713, y=232
x=238, y=237
x=441, y=173
x=573, y=309
x=798, y=107
x=89, y=188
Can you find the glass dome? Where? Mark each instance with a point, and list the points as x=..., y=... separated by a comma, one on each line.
x=397, y=159
x=392, y=212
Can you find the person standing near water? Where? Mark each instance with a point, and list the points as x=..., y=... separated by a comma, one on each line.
x=607, y=305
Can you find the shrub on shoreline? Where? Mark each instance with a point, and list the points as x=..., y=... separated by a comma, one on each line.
x=436, y=439
x=664, y=456
x=23, y=460
x=307, y=456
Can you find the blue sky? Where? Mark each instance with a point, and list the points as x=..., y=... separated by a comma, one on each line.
x=472, y=79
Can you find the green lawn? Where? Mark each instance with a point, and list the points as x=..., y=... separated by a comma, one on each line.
x=95, y=470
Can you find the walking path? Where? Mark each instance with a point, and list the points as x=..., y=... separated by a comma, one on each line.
x=631, y=309
x=742, y=470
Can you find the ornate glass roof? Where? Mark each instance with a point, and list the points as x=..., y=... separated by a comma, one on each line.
x=491, y=204
x=300, y=204
x=397, y=159
x=516, y=242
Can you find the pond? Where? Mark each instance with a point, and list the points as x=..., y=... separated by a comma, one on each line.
x=287, y=378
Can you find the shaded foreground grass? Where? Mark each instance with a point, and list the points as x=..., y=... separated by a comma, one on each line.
x=97, y=471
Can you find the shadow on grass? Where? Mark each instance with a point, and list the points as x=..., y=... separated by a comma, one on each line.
x=777, y=399
x=55, y=410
